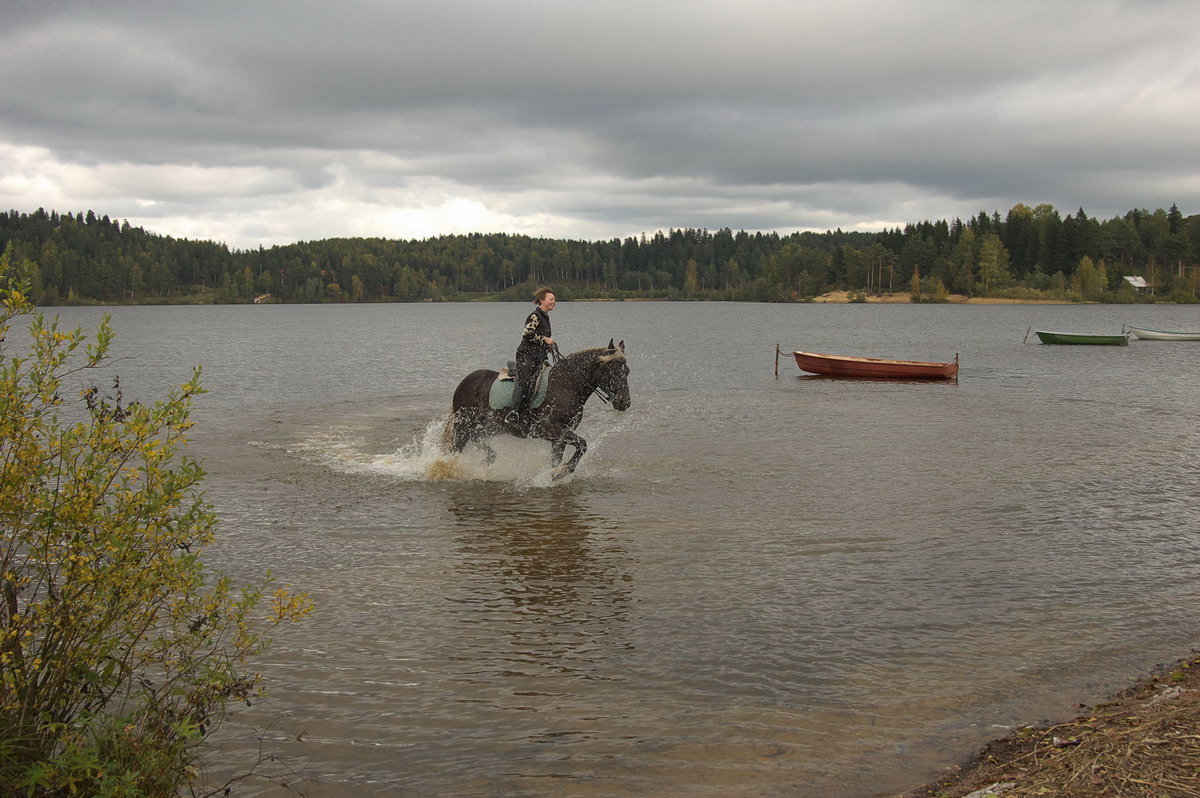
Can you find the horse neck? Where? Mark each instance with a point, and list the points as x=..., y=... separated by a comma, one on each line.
x=579, y=369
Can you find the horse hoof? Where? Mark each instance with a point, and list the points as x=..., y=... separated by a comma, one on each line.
x=560, y=472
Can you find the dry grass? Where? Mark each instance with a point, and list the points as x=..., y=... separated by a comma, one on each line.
x=1144, y=742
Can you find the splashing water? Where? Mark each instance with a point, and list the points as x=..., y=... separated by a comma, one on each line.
x=347, y=449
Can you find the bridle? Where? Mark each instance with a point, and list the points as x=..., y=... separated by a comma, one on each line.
x=557, y=358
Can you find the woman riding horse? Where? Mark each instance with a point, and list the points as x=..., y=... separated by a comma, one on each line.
x=532, y=352
x=603, y=371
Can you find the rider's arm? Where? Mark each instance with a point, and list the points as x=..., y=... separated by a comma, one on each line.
x=531, y=326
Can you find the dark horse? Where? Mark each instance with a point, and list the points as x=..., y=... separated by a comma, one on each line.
x=572, y=380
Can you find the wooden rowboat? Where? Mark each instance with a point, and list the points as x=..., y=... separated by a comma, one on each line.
x=874, y=367
x=1082, y=338
x=1163, y=335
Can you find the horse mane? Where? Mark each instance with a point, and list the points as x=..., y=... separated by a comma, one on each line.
x=584, y=355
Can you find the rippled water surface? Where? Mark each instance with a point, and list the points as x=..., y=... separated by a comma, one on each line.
x=751, y=586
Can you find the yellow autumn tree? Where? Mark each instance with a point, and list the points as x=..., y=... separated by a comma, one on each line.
x=1088, y=280
x=119, y=649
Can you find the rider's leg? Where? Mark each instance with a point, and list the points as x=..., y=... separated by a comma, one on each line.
x=518, y=399
x=523, y=386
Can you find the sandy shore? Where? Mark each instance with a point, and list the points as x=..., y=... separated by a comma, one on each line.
x=1143, y=742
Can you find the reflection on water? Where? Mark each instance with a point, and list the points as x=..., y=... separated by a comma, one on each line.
x=878, y=380
x=544, y=591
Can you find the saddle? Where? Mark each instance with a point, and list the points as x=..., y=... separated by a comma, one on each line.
x=500, y=397
x=509, y=372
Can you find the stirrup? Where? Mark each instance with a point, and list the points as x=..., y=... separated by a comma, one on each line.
x=513, y=417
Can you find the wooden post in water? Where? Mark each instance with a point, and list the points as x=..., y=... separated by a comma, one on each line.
x=776, y=361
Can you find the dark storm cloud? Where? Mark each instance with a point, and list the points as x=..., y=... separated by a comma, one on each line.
x=266, y=122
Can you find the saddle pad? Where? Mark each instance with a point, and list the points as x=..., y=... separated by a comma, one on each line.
x=500, y=397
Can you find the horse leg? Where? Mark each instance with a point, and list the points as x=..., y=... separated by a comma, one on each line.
x=580, y=447
x=460, y=429
x=489, y=454
x=467, y=427
x=556, y=452
x=478, y=433
x=466, y=430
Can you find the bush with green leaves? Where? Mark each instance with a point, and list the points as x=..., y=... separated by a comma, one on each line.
x=119, y=649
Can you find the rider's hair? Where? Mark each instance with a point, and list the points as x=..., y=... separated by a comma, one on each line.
x=540, y=294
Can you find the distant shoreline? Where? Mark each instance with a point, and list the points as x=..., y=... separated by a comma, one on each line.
x=831, y=297
x=900, y=298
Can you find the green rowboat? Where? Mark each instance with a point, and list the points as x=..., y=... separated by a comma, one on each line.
x=1082, y=338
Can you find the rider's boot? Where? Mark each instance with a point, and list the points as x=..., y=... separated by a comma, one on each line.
x=514, y=415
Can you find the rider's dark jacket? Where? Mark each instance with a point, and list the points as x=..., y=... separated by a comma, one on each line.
x=533, y=337
x=531, y=353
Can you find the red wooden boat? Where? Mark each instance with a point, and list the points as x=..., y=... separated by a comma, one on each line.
x=874, y=367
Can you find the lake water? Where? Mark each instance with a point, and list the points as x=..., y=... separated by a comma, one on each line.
x=752, y=586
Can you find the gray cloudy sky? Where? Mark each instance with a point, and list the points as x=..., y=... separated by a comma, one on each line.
x=284, y=120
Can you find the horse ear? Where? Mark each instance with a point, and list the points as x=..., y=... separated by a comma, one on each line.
x=621, y=346
x=610, y=344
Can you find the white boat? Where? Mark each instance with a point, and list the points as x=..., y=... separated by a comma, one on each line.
x=1164, y=335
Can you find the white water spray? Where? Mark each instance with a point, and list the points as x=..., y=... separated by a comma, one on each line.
x=520, y=462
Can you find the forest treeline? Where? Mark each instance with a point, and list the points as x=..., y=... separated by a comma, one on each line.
x=1030, y=253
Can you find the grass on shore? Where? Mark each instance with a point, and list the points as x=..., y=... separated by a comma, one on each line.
x=1143, y=743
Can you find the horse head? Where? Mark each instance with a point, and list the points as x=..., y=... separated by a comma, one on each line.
x=614, y=375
